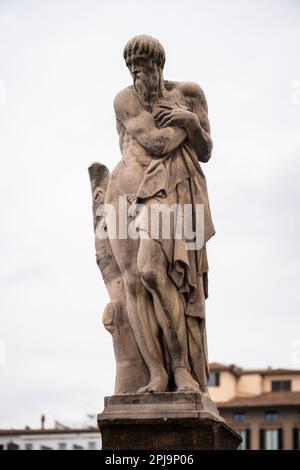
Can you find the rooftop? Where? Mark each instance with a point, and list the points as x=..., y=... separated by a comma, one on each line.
x=216, y=366
x=45, y=432
x=264, y=399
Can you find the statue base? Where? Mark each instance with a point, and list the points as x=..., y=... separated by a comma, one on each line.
x=164, y=421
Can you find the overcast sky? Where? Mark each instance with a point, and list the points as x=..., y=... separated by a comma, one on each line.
x=60, y=66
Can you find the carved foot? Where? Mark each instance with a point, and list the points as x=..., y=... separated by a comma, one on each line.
x=158, y=383
x=184, y=381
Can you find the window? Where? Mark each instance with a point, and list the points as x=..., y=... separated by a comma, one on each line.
x=62, y=446
x=271, y=416
x=28, y=446
x=271, y=439
x=92, y=445
x=239, y=416
x=281, y=385
x=245, y=435
x=296, y=438
x=214, y=379
x=77, y=447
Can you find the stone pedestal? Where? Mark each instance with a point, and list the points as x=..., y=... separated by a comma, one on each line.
x=164, y=421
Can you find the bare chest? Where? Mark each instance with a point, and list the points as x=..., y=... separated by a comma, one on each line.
x=174, y=96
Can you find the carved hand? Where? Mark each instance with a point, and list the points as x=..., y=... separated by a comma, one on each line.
x=168, y=115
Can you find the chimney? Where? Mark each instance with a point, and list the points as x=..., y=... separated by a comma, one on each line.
x=43, y=419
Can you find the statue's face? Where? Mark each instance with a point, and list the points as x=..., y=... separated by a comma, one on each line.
x=145, y=74
x=141, y=67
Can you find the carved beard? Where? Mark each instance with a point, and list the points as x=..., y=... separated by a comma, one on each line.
x=146, y=87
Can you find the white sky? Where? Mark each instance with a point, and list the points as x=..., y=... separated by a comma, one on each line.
x=60, y=66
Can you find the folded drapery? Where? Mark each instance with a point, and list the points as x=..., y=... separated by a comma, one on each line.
x=172, y=182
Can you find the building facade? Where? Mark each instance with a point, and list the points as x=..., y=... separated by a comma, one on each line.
x=262, y=405
x=50, y=439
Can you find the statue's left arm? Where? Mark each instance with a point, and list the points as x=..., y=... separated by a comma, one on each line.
x=195, y=122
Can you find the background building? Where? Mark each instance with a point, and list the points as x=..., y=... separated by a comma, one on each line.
x=262, y=405
x=60, y=437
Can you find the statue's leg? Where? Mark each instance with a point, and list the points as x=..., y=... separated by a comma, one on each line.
x=141, y=315
x=169, y=310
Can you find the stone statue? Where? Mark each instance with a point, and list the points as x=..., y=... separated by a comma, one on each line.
x=131, y=371
x=157, y=284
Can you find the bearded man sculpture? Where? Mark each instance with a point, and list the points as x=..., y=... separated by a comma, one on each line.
x=152, y=222
x=164, y=133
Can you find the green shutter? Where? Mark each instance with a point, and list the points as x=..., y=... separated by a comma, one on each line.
x=248, y=439
x=280, y=439
x=296, y=435
x=262, y=439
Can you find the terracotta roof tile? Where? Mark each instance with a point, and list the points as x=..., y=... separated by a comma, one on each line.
x=216, y=366
x=264, y=399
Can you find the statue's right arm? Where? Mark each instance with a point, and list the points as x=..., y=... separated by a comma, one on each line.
x=141, y=125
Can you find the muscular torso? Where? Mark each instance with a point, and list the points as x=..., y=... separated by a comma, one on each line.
x=141, y=140
x=135, y=157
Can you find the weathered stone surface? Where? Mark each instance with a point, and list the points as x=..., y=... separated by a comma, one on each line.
x=174, y=421
x=157, y=283
x=131, y=371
